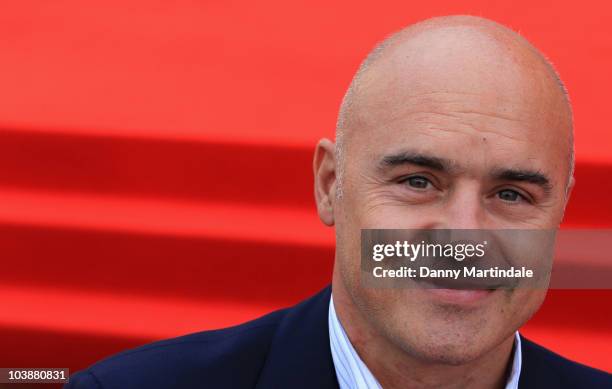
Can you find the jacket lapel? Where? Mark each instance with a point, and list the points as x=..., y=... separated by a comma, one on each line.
x=300, y=354
x=537, y=367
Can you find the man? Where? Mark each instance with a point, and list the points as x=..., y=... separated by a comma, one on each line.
x=455, y=122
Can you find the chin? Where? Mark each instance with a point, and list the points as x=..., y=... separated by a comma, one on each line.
x=453, y=353
x=450, y=336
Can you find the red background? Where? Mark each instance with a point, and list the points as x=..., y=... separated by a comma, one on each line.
x=155, y=162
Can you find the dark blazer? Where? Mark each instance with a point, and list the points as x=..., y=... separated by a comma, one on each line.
x=285, y=349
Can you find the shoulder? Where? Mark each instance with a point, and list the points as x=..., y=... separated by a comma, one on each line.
x=230, y=355
x=543, y=366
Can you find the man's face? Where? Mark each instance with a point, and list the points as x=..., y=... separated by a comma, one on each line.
x=483, y=153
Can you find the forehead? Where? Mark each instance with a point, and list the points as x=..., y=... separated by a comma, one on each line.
x=467, y=92
x=476, y=132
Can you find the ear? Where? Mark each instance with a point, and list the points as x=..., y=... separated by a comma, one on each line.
x=324, y=166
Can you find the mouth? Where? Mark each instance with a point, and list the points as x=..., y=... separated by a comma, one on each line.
x=459, y=296
x=462, y=283
x=457, y=293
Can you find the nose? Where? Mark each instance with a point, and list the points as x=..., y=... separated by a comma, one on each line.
x=462, y=209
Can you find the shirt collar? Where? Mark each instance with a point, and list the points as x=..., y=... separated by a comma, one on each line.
x=352, y=373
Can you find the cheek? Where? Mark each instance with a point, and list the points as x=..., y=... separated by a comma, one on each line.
x=401, y=217
x=348, y=246
x=523, y=304
x=382, y=209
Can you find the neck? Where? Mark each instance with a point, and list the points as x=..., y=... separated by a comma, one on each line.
x=393, y=367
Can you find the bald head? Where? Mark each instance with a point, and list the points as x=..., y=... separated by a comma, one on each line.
x=449, y=57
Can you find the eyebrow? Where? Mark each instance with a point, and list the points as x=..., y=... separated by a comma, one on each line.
x=524, y=175
x=418, y=159
x=447, y=165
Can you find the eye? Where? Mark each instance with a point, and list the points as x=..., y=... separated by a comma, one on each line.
x=510, y=196
x=417, y=182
